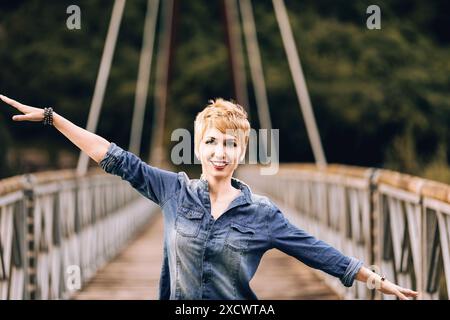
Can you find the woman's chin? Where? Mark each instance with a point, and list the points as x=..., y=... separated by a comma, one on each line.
x=219, y=172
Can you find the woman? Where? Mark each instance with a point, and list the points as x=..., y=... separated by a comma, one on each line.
x=216, y=229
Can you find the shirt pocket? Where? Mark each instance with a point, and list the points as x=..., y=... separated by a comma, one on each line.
x=188, y=221
x=238, y=237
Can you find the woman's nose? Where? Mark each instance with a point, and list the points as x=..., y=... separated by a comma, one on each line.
x=219, y=150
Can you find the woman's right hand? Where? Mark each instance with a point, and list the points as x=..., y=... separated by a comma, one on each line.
x=29, y=113
x=93, y=145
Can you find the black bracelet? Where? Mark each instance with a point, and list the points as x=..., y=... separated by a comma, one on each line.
x=48, y=116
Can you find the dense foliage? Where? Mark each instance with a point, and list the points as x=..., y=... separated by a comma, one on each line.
x=381, y=97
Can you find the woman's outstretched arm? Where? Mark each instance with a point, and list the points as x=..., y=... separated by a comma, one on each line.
x=320, y=255
x=156, y=184
x=93, y=145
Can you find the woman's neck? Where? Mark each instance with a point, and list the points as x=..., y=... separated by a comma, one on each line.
x=220, y=188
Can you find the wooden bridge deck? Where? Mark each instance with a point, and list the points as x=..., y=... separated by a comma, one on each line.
x=134, y=274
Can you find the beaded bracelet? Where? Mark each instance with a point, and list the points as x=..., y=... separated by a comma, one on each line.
x=48, y=116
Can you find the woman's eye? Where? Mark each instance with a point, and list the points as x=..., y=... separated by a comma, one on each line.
x=227, y=144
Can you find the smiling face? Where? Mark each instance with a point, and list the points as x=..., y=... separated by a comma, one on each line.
x=221, y=137
x=219, y=153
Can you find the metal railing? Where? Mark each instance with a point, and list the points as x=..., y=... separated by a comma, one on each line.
x=397, y=224
x=53, y=224
x=57, y=230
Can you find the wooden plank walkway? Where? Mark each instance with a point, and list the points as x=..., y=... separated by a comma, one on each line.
x=134, y=274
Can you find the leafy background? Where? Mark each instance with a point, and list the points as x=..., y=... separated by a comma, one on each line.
x=381, y=97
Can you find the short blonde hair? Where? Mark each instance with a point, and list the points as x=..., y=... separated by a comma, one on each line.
x=224, y=116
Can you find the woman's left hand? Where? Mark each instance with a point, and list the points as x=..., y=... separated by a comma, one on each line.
x=383, y=285
x=388, y=287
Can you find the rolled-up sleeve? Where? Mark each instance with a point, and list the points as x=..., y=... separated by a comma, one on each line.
x=309, y=250
x=156, y=184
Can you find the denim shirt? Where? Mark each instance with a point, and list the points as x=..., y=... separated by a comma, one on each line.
x=207, y=258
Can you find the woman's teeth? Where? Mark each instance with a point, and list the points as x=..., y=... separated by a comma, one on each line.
x=219, y=164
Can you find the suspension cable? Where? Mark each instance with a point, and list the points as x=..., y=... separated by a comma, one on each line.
x=299, y=82
x=102, y=78
x=156, y=155
x=145, y=65
x=236, y=53
x=254, y=58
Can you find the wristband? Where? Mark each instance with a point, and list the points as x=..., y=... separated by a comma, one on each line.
x=48, y=116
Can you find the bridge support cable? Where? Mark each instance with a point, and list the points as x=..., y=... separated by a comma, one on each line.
x=145, y=65
x=257, y=75
x=156, y=155
x=299, y=82
x=102, y=78
x=235, y=49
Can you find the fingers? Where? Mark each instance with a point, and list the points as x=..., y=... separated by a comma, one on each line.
x=403, y=293
x=409, y=293
x=22, y=118
x=11, y=102
x=400, y=295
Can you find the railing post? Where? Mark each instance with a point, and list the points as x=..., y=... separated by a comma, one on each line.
x=30, y=252
x=374, y=222
x=421, y=279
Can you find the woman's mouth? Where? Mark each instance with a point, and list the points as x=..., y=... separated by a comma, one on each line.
x=219, y=165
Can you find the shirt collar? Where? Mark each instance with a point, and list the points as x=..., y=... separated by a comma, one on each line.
x=235, y=182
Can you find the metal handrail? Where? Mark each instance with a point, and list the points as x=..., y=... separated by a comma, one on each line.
x=396, y=223
x=55, y=227
x=399, y=224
